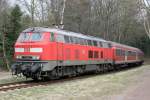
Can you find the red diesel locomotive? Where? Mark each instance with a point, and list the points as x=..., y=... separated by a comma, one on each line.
x=53, y=53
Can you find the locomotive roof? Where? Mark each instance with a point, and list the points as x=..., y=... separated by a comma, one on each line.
x=63, y=32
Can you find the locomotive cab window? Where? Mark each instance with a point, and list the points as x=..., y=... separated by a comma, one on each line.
x=24, y=37
x=36, y=36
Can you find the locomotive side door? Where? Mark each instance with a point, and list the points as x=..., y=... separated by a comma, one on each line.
x=60, y=56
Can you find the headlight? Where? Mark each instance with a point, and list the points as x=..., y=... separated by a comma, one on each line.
x=18, y=57
x=35, y=57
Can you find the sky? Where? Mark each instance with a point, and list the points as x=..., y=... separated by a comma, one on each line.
x=12, y=2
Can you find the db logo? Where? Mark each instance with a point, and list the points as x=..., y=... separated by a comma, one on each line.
x=27, y=50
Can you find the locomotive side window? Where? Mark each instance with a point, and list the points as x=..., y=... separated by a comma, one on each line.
x=89, y=42
x=96, y=54
x=66, y=39
x=60, y=38
x=85, y=42
x=52, y=38
x=76, y=40
x=100, y=44
x=71, y=39
x=95, y=43
x=102, y=54
x=90, y=54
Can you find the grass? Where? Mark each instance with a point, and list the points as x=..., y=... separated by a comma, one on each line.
x=12, y=80
x=84, y=89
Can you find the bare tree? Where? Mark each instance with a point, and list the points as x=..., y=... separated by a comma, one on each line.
x=145, y=14
x=3, y=21
x=30, y=7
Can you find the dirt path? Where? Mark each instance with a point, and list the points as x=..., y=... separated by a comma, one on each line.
x=139, y=91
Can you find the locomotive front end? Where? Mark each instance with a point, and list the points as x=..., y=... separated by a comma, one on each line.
x=31, y=53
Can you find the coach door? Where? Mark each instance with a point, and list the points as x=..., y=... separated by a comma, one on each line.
x=126, y=55
x=60, y=56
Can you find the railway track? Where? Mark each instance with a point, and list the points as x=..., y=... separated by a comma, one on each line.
x=27, y=84
x=13, y=86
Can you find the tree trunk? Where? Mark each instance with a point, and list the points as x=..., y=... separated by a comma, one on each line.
x=4, y=52
x=62, y=14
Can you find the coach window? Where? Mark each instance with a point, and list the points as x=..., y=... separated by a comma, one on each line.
x=52, y=38
x=129, y=53
x=118, y=52
x=66, y=39
x=123, y=52
x=109, y=45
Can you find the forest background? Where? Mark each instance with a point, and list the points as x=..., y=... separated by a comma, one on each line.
x=122, y=21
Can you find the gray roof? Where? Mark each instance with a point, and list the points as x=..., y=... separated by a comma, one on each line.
x=122, y=45
x=63, y=32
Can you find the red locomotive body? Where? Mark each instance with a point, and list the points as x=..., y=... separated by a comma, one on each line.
x=52, y=53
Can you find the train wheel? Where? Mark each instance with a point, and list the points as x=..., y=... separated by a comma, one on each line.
x=98, y=69
x=37, y=77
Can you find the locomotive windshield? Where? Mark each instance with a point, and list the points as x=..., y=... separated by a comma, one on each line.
x=36, y=36
x=30, y=37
